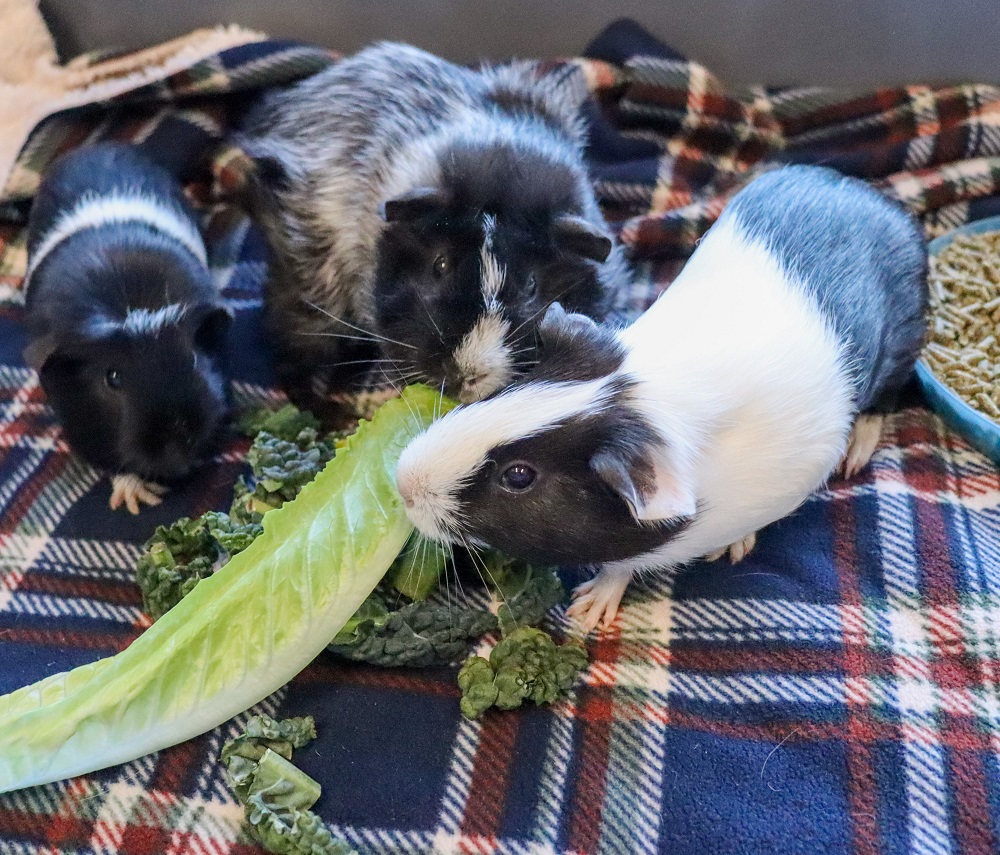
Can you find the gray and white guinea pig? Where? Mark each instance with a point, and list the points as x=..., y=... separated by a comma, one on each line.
x=422, y=216
x=126, y=329
x=770, y=360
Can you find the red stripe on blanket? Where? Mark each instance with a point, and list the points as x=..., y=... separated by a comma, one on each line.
x=116, y=593
x=778, y=658
x=490, y=782
x=828, y=116
x=29, y=492
x=327, y=670
x=89, y=640
x=861, y=784
x=595, y=715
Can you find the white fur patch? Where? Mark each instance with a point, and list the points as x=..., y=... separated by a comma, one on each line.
x=483, y=358
x=489, y=228
x=493, y=275
x=746, y=380
x=94, y=211
x=445, y=457
x=151, y=321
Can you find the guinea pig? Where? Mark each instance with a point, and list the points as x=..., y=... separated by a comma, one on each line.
x=771, y=358
x=126, y=329
x=422, y=216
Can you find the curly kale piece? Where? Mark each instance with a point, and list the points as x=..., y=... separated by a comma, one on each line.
x=418, y=634
x=281, y=467
x=174, y=560
x=286, y=423
x=231, y=535
x=276, y=794
x=526, y=592
x=427, y=633
x=178, y=556
x=525, y=665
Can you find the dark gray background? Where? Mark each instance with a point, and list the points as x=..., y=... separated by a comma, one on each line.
x=850, y=43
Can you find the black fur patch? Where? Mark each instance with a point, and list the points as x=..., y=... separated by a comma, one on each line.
x=573, y=347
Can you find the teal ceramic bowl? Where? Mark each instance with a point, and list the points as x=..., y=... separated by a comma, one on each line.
x=980, y=431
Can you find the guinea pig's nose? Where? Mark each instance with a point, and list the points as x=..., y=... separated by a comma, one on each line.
x=403, y=488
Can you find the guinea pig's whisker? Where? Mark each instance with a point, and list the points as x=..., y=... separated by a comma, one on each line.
x=349, y=325
x=447, y=587
x=354, y=362
x=338, y=335
x=413, y=561
x=484, y=573
x=449, y=563
x=430, y=317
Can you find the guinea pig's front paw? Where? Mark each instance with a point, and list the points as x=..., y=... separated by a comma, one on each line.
x=737, y=551
x=597, y=601
x=133, y=491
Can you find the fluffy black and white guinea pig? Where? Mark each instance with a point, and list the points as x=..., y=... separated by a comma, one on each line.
x=127, y=331
x=771, y=359
x=421, y=217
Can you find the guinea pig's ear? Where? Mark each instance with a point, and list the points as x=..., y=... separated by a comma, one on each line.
x=557, y=322
x=39, y=351
x=581, y=237
x=653, y=490
x=211, y=326
x=413, y=205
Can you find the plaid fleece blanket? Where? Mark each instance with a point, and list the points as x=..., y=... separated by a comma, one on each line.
x=838, y=691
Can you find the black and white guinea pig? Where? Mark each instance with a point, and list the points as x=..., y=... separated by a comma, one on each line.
x=771, y=359
x=421, y=217
x=127, y=331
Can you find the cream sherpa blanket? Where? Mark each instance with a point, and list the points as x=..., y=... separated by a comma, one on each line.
x=33, y=85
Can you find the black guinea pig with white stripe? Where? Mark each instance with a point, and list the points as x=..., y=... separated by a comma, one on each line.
x=422, y=216
x=771, y=359
x=127, y=331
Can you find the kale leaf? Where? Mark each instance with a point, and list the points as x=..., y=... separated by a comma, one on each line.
x=418, y=634
x=276, y=794
x=525, y=665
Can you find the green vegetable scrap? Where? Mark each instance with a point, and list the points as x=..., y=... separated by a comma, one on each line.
x=280, y=468
x=526, y=592
x=276, y=794
x=418, y=634
x=286, y=423
x=178, y=556
x=231, y=535
x=526, y=665
x=415, y=573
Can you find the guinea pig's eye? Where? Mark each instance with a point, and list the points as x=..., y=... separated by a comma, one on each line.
x=442, y=264
x=518, y=477
x=113, y=379
x=531, y=286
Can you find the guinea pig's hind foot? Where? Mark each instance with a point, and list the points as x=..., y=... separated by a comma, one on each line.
x=597, y=601
x=861, y=444
x=737, y=551
x=133, y=491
